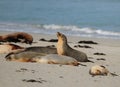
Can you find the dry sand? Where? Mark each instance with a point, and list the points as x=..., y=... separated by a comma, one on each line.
x=18, y=74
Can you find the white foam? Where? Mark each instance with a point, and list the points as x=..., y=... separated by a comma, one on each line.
x=52, y=28
x=83, y=30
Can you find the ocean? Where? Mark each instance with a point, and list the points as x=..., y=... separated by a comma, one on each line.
x=84, y=18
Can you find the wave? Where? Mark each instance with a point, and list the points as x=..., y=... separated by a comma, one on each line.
x=52, y=28
x=80, y=30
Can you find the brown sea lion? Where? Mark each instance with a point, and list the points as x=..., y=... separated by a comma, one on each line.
x=17, y=37
x=6, y=48
x=100, y=70
x=64, y=49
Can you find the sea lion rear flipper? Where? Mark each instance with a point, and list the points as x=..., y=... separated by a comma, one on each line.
x=81, y=64
x=113, y=74
x=89, y=61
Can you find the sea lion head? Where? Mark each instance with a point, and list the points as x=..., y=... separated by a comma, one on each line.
x=98, y=70
x=10, y=57
x=61, y=37
x=15, y=47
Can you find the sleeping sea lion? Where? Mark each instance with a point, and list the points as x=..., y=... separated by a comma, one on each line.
x=17, y=37
x=100, y=70
x=23, y=56
x=7, y=48
x=57, y=59
x=41, y=49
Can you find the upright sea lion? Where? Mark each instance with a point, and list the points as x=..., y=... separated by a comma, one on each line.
x=6, y=48
x=17, y=37
x=64, y=49
x=100, y=70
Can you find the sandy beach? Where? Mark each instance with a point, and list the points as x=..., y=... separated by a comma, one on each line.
x=18, y=74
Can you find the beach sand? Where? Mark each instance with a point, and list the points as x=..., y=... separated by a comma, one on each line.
x=18, y=74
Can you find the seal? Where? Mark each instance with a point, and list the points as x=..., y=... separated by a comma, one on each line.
x=41, y=58
x=41, y=49
x=32, y=50
x=23, y=56
x=100, y=70
x=64, y=49
x=17, y=37
x=6, y=48
x=56, y=59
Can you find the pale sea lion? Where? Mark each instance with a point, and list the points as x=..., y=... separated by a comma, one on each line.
x=100, y=70
x=6, y=48
x=17, y=37
x=41, y=58
x=23, y=56
x=56, y=59
x=64, y=49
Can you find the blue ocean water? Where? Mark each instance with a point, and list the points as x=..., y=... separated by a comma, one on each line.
x=88, y=18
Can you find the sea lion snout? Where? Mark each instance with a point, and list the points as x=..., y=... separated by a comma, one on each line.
x=9, y=58
x=61, y=36
x=58, y=34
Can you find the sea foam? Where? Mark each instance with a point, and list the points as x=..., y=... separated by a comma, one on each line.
x=52, y=29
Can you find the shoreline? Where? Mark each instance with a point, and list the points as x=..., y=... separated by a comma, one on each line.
x=72, y=30
x=106, y=40
x=49, y=75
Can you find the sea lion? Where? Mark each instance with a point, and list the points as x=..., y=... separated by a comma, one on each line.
x=41, y=58
x=33, y=50
x=40, y=49
x=100, y=70
x=56, y=59
x=64, y=49
x=17, y=37
x=6, y=48
x=23, y=56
